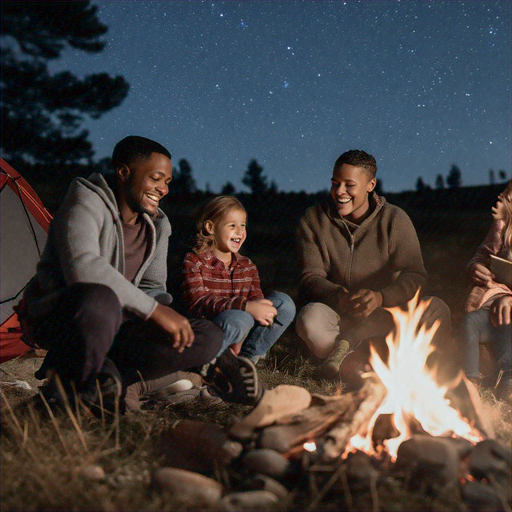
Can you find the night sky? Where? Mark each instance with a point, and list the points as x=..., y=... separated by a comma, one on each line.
x=421, y=85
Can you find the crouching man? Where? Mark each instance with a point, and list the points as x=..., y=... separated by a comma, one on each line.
x=359, y=254
x=98, y=302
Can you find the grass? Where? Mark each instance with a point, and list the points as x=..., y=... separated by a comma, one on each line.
x=44, y=458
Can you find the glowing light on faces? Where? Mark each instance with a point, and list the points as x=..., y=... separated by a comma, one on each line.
x=350, y=186
x=230, y=233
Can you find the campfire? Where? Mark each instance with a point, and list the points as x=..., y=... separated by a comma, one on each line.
x=414, y=400
x=402, y=425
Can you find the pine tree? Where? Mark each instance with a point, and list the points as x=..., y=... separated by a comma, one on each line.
x=454, y=178
x=439, y=182
x=420, y=185
x=42, y=113
x=183, y=182
x=228, y=189
x=254, y=178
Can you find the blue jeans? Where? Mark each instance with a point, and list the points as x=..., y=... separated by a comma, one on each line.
x=239, y=325
x=477, y=328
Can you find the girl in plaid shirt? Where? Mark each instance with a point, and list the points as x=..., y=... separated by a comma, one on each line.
x=222, y=285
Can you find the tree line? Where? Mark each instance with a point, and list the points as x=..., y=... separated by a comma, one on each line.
x=454, y=179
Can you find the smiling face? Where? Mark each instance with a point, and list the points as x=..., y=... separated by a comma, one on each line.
x=142, y=185
x=230, y=233
x=350, y=186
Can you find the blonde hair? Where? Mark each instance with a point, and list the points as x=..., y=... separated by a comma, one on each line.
x=506, y=197
x=212, y=212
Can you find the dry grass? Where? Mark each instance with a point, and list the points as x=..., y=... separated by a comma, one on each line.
x=43, y=457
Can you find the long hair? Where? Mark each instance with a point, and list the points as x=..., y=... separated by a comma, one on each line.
x=214, y=211
x=506, y=197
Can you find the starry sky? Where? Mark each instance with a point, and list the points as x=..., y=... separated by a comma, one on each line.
x=420, y=84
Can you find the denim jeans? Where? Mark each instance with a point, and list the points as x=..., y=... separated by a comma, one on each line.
x=477, y=328
x=239, y=325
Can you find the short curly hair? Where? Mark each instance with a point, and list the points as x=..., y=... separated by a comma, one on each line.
x=133, y=148
x=358, y=158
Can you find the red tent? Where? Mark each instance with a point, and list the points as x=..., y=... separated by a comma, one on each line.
x=24, y=228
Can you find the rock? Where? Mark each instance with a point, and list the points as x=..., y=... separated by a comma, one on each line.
x=189, y=488
x=491, y=461
x=428, y=461
x=481, y=498
x=265, y=483
x=267, y=462
x=92, y=473
x=198, y=446
x=359, y=470
x=250, y=500
x=276, y=403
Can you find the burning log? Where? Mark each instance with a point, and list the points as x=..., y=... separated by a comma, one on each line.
x=290, y=433
x=335, y=440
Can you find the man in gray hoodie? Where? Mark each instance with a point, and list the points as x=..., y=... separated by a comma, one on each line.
x=98, y=302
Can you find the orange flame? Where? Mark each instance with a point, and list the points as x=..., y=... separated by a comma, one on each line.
x=412, y=391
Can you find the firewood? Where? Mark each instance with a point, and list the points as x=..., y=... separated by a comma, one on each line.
x=276, y=403
x=371, y=396
x=290, y=433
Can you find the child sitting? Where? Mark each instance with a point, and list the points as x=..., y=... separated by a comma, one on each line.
x=222, y=285
x=488, y=318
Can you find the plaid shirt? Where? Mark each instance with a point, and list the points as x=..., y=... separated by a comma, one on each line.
x=210, y=288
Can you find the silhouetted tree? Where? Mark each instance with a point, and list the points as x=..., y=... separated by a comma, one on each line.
x=502, y=175
x=492, y=177
x=228, y=189
x=254, y=178
x=42, y=113
x=439, y=182
x=454, y=178
x=273, y=187
x=183, y=182
x=420, y=185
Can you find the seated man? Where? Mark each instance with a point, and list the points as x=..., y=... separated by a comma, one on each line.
x=98, y=302
x=359, y=254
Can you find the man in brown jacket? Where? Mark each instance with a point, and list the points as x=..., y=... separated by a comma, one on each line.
x=359, y=255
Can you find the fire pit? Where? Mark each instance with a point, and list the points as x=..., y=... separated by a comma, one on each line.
x=401, y=428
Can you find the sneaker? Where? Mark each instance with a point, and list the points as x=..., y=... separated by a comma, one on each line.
x=330, y=368
x=234, y=379
x=103, y=396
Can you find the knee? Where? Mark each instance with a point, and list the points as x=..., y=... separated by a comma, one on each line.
x=284, y=305
x=236, y=322
x=439, y=310
x=318, y=325
x=98, y=302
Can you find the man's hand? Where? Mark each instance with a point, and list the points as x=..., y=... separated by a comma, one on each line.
x=262, y=310
x=480, y=274
x=362, y=303
x=501, y=311
x=176, y=325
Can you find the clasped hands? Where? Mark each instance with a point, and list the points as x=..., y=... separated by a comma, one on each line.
x=360, y=304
